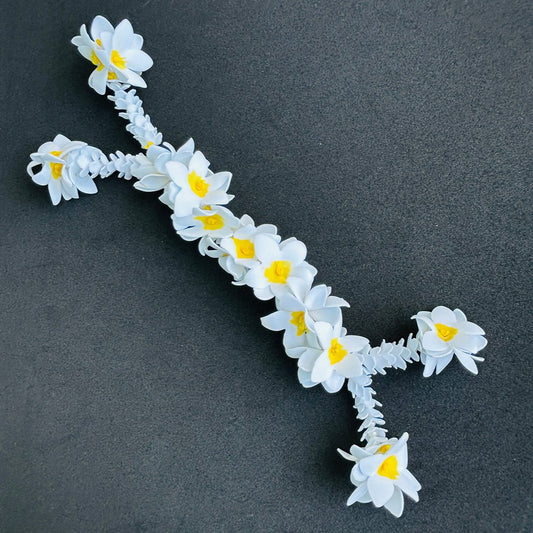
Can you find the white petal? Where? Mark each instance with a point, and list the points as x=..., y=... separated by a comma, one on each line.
x=395, y=504
x=369, y=465
x=276, y=321
x=469, y=343
x=324, y=332
x=266, y=249
x=431, y=342
x=199, y=164
x=408, y=483
x=99, y=25
x=467, y=361
x=42, y=177
x=98, y=80
x=354, y=343
x=305, y=379
x=316, y=299
x=54, y=188
x=346, y=455
x=459, y=315
x=469, y=328
x=357, y=494
x=443, y=362
x=153, y=182
x=85, y=184
x=431, y=363
x=380, y=489
x=334, y=383
x=123, y=36
x=256, y=278
x=308, y=359
x=443, y=315
x=294, y=251
x=322, y=369
x=138, y=60
x=349, y=367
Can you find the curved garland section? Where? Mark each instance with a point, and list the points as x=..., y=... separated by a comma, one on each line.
x=256, y=256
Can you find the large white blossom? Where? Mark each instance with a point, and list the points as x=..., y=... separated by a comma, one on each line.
x=116, y=53
x=66, y=167
x=380, y=474
x=335, y=357
x=152, y=173
x=443, y=333
x=298, y=313
x=194, y=185
x=281, y=266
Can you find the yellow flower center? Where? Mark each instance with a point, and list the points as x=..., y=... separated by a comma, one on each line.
x=383, y=449
x=99, y=42
x=118, y=60
x=446, y=333
x=147, y=145
x=111, y=76
x=337, y=352
x=198, y=185
x=211, y=222
x=278, y=271
x=389, y=468
x=96, y=61
x=298, y=320
x=245, y=248
x=57, y=168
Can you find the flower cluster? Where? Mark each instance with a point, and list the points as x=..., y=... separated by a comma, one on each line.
x=115, y=52
x=380, y=474
x=443, y=333
x=256, y=256
x=66, y=167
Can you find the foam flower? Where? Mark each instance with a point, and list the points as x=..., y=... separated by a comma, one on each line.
x=116, y=53
x=443, y=333
x=194, y=185
x=236, y=253
x=215, y=222
x=66, y=167
x=280, y=267
x=335, y=357
x=298, y=313
x=380, y=474
x=152, y=173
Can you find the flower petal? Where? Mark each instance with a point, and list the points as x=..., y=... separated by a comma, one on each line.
x=395, y=504
x=467, y=361
x=138, y=60
x=334, y=383
x=276, y=321
x=99, y=25
x=322, y=369
x=443, y=315
x=357, y=494
x=380, y=489
x=123, y=36
x=429, y=367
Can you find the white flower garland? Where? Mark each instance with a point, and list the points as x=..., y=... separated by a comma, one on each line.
x=309, y=316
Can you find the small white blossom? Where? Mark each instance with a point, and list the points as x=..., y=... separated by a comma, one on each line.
x=66, y=167
x=297, y=315
x=216, y=222
x=380, y=474
x=194, y=185
x=151, y=168
x=443, y=333
x=236, y=253
x=335, y=357
x=280, y=267
x=116, y=53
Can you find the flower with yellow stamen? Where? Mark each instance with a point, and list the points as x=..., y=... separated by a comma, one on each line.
x=380, y=474
x=444, y=333
x=115, y=52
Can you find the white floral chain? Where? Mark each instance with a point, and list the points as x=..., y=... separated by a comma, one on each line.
x=309, y=316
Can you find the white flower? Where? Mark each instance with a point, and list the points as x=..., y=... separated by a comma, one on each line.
x=214, y=222
x=336, y=357
x=151, y=170
x=380, y=474
x=236, y=253
x=297, y=315
x=281, y=267
x=66, y=167
x=116, y=53
x=194, y=185
x=443, y=333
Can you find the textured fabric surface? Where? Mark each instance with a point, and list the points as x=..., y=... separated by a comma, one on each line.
x=138, y=390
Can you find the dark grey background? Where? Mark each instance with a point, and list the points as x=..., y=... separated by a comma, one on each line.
x=139, y=391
